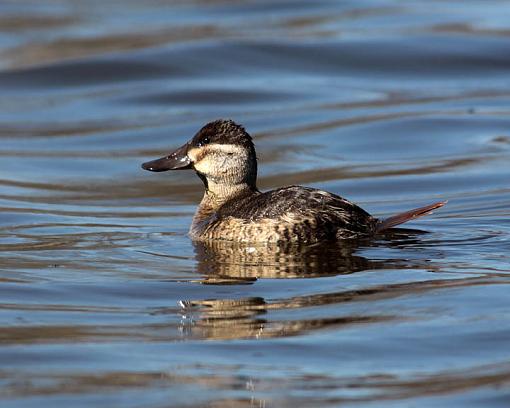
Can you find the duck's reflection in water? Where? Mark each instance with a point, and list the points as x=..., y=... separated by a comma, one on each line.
x=250, y=317
x=221, y=261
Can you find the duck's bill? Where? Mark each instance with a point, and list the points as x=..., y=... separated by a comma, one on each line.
x=178, y=160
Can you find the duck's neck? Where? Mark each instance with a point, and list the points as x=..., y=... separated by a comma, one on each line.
x=217, y=194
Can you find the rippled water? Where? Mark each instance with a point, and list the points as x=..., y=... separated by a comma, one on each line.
x=104, y=300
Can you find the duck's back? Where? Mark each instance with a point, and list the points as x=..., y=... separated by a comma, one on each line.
x=288, y=214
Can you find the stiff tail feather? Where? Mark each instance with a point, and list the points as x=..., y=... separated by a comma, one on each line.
x=407, y=216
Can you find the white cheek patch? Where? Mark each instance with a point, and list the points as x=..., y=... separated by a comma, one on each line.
x=204, y=166
x=213, y=158
x=221, y=163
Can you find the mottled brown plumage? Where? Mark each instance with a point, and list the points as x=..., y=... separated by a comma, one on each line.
x=233, y=209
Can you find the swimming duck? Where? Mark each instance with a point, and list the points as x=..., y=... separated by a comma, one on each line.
x=233, y=209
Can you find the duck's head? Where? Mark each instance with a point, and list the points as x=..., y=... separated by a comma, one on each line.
x=222, y=153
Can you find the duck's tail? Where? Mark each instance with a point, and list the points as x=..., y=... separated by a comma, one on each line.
x=398, y=219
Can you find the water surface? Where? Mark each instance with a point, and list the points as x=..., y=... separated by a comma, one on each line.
x=104, y=300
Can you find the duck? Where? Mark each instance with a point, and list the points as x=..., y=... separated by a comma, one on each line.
x=222, y=154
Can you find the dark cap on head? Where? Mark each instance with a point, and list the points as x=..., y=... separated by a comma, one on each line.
x=222, y=131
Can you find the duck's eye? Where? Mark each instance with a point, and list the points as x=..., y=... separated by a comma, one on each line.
x=203, y=142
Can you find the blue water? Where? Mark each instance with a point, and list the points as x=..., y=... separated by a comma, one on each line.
x=105, y=301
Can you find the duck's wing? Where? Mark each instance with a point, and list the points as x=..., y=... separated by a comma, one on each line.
x=313, y=211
